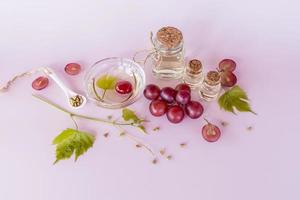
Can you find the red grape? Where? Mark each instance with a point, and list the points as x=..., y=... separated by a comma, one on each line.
x=228, y=79
x=158, y=107
x=151, y=92
x=210, y=132
x=168, y=94
x=40, y=83
x=72, y=68
x=194, y=109
x=183, y=97
x=123, y=87
x=227, y=65
x=183, y=86
x=175, y=114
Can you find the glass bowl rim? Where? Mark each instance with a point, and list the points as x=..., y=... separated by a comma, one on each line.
x=123, y=104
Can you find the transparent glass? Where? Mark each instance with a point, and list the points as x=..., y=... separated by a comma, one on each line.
x=193, y=80
x=168, y=63
x=122, y=69
x=209, y=92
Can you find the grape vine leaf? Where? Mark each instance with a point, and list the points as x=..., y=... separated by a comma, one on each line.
x=129, y=115
x=235, y=99
x=72, y=141
x=106, y=82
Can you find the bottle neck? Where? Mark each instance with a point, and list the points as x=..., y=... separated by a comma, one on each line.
x=167, y=51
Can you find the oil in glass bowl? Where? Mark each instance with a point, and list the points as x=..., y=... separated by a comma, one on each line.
x=104, y=77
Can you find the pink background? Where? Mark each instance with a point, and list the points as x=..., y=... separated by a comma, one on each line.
x=263, y=36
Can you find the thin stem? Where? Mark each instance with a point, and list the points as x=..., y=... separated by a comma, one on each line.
x=75, y=123
x=131, y=137
x=114, y=123
x=18, y=76
x=95, y=91
x=78, y=115
x=206, y=121
x=103, y=94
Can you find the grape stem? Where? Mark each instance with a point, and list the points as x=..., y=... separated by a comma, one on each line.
x=206, y=121
x=113, y=123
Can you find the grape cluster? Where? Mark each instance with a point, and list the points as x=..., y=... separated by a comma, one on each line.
x=175, y=103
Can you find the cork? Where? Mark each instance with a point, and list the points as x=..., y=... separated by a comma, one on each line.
x=213, y=78
x=195, y=66
x=169, y=37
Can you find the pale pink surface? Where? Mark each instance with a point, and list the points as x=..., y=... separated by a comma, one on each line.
x=262, y=36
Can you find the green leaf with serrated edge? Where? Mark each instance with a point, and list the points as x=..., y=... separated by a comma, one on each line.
x=129, y=115
x=235, y=99
x=106, y=82
x=62, y=136
x=72, y=141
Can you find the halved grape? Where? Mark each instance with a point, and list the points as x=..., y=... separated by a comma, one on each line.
x=210, y=132
x=73, y=68
x=40, y=83
x=228, y=79
x=227, y=65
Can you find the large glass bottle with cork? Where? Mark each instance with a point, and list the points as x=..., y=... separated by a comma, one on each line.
x=168, y=56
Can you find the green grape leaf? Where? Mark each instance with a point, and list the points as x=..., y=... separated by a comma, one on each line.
x=129, y=115
x=235, y=99
x=106, y=82
x=72, y=141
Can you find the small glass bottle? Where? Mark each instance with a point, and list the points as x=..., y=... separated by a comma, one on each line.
x=168, y=58
x=211, y=86
x=193, y=74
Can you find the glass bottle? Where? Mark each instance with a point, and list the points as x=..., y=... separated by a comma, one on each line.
x=193, y=74
x=211, y=86
x=168, y=58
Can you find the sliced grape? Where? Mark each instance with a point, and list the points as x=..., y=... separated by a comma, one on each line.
x=227, y=65
x=73, y=68
x=40, y=83
x=210, y=132
x=228, y=79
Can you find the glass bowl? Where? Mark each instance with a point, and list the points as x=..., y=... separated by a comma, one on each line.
x=112, y=70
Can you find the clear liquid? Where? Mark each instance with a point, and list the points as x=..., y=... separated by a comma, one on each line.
x=209, y=92
x=168, y=66
x=111, y=97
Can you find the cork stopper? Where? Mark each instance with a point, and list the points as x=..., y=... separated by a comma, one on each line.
x=213, y=78
x=195, y=67
x=169, y=37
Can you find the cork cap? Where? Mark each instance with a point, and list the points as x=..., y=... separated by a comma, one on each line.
x=213, y=78
x=195, y=66
x=169, y=36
